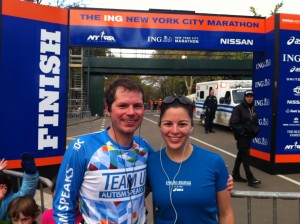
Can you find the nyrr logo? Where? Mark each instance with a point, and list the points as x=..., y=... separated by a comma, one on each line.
x=293, y=40
x=294, y=147
x=159, y=39
x=297, y=91
x=101, y=38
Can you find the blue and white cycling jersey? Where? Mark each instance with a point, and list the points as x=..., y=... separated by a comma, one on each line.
x=109, y=180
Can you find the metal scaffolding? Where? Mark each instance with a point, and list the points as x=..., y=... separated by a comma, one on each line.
x=77, y=82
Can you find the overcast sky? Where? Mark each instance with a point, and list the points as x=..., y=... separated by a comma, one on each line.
x=230, y=7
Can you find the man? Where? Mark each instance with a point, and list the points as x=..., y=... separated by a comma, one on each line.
x=210, y=107
x=106, y=170
x=244, y=123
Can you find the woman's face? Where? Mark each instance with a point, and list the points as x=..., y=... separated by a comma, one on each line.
x=175, y=128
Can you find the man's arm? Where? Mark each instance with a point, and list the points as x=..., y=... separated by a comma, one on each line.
x=236, y=122
x=68, y=183
x=205, y=103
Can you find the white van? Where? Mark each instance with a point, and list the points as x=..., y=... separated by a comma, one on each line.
x=229, y=93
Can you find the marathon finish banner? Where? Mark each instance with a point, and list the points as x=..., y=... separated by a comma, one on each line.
x=154, y=30
x=33, y=69
x=34, y=47
x=288, y=120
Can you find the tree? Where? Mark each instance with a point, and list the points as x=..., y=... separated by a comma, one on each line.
x=60, y=3
x=276, y=9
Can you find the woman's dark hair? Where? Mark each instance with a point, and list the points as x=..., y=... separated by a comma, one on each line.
x=4, y=179
x=175, y=102
x=127, y=84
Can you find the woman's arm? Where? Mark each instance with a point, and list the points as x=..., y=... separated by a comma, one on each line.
x=225, y=214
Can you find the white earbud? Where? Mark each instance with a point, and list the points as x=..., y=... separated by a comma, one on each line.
x=191, y=129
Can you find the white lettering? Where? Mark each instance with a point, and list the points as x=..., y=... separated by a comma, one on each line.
x=50, y=49
x=229, y=41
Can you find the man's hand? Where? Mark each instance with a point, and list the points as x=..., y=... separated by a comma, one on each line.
x=3, y=164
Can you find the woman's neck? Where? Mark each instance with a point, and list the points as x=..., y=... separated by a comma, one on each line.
x=180, y=155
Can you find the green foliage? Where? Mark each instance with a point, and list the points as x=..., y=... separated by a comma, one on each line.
x=276, y=9
x=253, y=10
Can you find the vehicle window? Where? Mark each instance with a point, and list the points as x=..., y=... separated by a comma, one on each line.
x=227, y=97
x=238, y=95
x=201, y=94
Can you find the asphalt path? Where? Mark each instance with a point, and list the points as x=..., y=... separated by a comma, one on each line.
x=223, y=143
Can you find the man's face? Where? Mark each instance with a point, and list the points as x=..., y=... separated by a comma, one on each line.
x=249, y=98
x=127, y=112
x=212, y=92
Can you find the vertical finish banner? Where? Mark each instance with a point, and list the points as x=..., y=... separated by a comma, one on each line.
x=263, y=79
x=288, y=121
x=33, y=75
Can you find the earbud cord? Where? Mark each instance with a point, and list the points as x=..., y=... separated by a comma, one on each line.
x=129, y=179
x=172, y=185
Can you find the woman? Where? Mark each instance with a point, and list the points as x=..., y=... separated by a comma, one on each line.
x=188, y=182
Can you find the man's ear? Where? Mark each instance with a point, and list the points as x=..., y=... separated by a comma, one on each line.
x=106, y=110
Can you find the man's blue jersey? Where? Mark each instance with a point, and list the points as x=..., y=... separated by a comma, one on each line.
x=108, y=179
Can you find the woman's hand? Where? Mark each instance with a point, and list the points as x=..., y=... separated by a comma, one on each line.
x=3, y=164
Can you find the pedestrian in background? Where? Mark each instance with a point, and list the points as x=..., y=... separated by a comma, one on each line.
x=244, y=124
x=159, y=103
x=151, y=105
x=210, y=107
